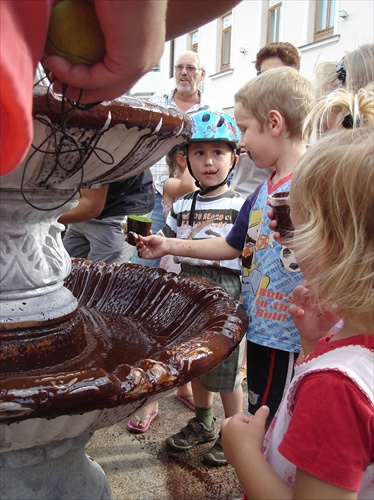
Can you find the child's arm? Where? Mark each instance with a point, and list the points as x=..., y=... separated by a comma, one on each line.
x=242, y=439
x=153, y=247
x=175, y=187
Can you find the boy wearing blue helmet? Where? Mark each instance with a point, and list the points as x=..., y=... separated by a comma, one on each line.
x=210, y=212
x=269, y=110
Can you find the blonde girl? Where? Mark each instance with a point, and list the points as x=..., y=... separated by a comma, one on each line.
x=321, y=442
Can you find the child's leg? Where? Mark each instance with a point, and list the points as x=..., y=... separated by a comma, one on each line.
x=269, y=372
x=202, y=397
x=199, y=429
x=226, y=380
x=232, y=401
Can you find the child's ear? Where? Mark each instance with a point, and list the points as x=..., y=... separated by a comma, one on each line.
x=275, y=122
x=182, y=160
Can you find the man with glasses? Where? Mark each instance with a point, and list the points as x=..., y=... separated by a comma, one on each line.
x=186, y=96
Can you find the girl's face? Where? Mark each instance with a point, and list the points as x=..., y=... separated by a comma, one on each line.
x=210, y=162
x=256, y=142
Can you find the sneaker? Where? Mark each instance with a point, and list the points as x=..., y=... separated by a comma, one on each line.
x=215, y=455
x=194, y=433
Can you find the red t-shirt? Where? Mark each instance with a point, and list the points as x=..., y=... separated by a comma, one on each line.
x=327, y=407
x=331, y=432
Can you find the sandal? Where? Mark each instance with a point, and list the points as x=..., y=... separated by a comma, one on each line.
x=135, y=429
x=186, y=400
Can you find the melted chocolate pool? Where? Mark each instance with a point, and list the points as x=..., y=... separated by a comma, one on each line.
x=137, y=331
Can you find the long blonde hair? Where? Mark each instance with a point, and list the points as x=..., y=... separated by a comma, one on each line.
x=333, y=192
x=342, y=108
x=359, y=68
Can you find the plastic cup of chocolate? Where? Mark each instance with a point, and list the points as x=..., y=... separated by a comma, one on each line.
x=137, y=224
x=280, y=203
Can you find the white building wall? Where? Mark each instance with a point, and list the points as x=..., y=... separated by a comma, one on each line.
x=249, y=24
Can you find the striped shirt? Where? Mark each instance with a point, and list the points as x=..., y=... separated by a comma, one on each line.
x=214, y=218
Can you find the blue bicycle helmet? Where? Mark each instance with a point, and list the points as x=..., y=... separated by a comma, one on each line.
x=214, y=126
x=211, y=126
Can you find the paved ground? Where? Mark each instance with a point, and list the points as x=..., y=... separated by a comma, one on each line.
x=140, y=468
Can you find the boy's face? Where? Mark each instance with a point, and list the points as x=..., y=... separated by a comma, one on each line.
x=253, y=140
x=210, y=162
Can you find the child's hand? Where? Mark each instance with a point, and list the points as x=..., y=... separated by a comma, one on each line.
x=243, y=436
x=151, y=247
x=311, y=319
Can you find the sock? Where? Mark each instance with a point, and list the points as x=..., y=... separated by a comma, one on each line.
x=205, y=415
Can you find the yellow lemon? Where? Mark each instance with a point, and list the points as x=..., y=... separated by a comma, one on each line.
x=74, y=33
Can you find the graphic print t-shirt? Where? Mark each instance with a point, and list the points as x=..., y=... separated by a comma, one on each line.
x=269, y=273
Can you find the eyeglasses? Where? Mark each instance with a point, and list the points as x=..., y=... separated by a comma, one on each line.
x=188, y=68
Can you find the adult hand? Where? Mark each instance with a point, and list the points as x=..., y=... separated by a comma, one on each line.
x=134, y=32
x=311, y=318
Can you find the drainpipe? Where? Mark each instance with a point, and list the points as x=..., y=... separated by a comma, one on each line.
x=171, y=58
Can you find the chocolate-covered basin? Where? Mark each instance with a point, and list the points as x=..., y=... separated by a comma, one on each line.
x=140, y=331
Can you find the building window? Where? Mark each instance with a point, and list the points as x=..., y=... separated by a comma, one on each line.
x=194, y=41
x=274, y=18
x=324, y=19
x=226, y=41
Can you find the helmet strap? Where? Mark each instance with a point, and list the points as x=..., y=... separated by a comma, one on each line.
x=206, y=190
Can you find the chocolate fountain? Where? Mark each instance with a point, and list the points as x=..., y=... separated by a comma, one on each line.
x=83, y=346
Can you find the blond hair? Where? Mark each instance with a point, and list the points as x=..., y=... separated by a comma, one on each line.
x=333, y=191
x=282, y=89
x=359, y=67
x=342, y=108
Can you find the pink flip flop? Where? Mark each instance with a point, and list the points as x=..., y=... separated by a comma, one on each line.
x=187, y=400
x=139, y=430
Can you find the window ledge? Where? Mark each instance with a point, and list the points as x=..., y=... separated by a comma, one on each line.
x=319, y=43
x=221, y=73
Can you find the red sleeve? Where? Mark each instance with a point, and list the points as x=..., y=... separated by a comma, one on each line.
x=330, y=435
x=24, y=27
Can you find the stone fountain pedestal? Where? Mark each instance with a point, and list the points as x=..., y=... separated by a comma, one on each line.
x=83, y=346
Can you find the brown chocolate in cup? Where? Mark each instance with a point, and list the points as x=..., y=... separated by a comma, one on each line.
x=280, y=203
x=137, y=224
